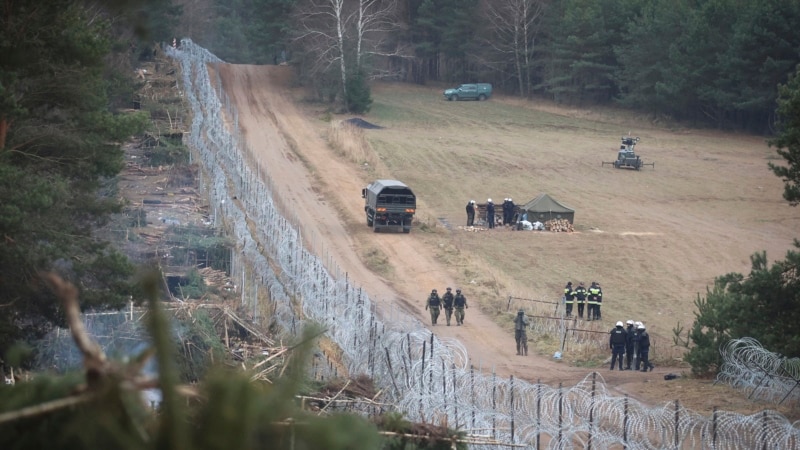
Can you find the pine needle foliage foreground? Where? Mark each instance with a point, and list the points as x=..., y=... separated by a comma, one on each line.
x=103, y=406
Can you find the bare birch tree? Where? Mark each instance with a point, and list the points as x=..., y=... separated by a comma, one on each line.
x=513, y=25
x=341, y=32
x=322, y=31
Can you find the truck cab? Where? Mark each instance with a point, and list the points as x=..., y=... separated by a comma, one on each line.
x=389, y=204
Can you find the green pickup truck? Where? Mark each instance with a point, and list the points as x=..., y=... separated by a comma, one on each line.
x=475, y=91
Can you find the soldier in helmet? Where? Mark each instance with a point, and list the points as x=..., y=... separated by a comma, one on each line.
x=447, y=302
x=617, y=341
x=580, y=298
x=629, y=347
x=470, y=213
x=460, y=303
x=521, y=332
x=490, y=213
x=569, y=298
x=433, y=304
x=644, y=349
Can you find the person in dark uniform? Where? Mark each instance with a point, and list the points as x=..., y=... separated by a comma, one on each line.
x=521, y=333
x=580, y=298
x=592, y=300
x=617, y=342
x=471, y=213
x=644, y=350
x=433, y=304
x=629, y=345
x=447, y=302
x=598, y=314
x=569, y=298
x=460, y=303
x=490, y=213
x=510, y=211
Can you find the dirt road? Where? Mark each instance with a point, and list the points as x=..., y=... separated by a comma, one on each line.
x=322, y=193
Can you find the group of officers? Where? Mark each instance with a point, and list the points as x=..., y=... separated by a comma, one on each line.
x=449, y=302
x=508, y=210
x=632, y=344
x=583, y=297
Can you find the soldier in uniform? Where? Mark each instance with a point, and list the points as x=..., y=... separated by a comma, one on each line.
x=521, y=332
x=593, y=301
x=644, y=350
x=580, y=298
x=470, y=213
x=617, y=342
x=490, y=213
x=569, y=298
x=433, y=304
x=629, y=344
x=447, y=302
x=461, y=304
x=598, y=314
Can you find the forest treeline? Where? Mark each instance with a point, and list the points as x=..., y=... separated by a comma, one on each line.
x=704, y=62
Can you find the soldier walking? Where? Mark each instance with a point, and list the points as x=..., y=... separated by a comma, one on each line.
x=520, y=332
x=433, y=304
x=460, y=304
x=470, y=213
x=447, y=302
x=569, y=298
x=617, y=342
x=580, y=298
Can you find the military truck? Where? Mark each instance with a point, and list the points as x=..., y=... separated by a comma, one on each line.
x=476, y=91
x=389, y=204
x=627, y=157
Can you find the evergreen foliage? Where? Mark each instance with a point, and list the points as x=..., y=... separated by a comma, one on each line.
x=59, y=144
x=358, y=93
x=787, y=142
x=251, y=31
x=765, y=305
x=102, y=408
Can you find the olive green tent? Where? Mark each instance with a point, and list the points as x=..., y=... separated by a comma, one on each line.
x=544, y=208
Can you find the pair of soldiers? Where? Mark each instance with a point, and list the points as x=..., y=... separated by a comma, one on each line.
x=449, y=302
x=582, y=296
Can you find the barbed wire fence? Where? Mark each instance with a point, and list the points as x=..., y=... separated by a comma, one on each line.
x=425, y=377
x=768, y=376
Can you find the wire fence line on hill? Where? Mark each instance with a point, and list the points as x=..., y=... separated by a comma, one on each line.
x=427, y=378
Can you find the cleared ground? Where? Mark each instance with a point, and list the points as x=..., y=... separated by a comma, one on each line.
x=654, y=238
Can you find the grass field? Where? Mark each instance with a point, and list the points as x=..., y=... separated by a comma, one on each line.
x=654, y=238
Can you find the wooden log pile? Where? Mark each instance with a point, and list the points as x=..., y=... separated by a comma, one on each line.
x=559, y=226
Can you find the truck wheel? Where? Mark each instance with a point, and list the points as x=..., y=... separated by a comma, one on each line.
x=481, y=98
x=450, y=98
x=454, y=98
x=369, y=222
x=406, y=229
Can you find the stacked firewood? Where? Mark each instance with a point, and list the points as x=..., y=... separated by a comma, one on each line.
x=214, y=278
x=559, y=226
